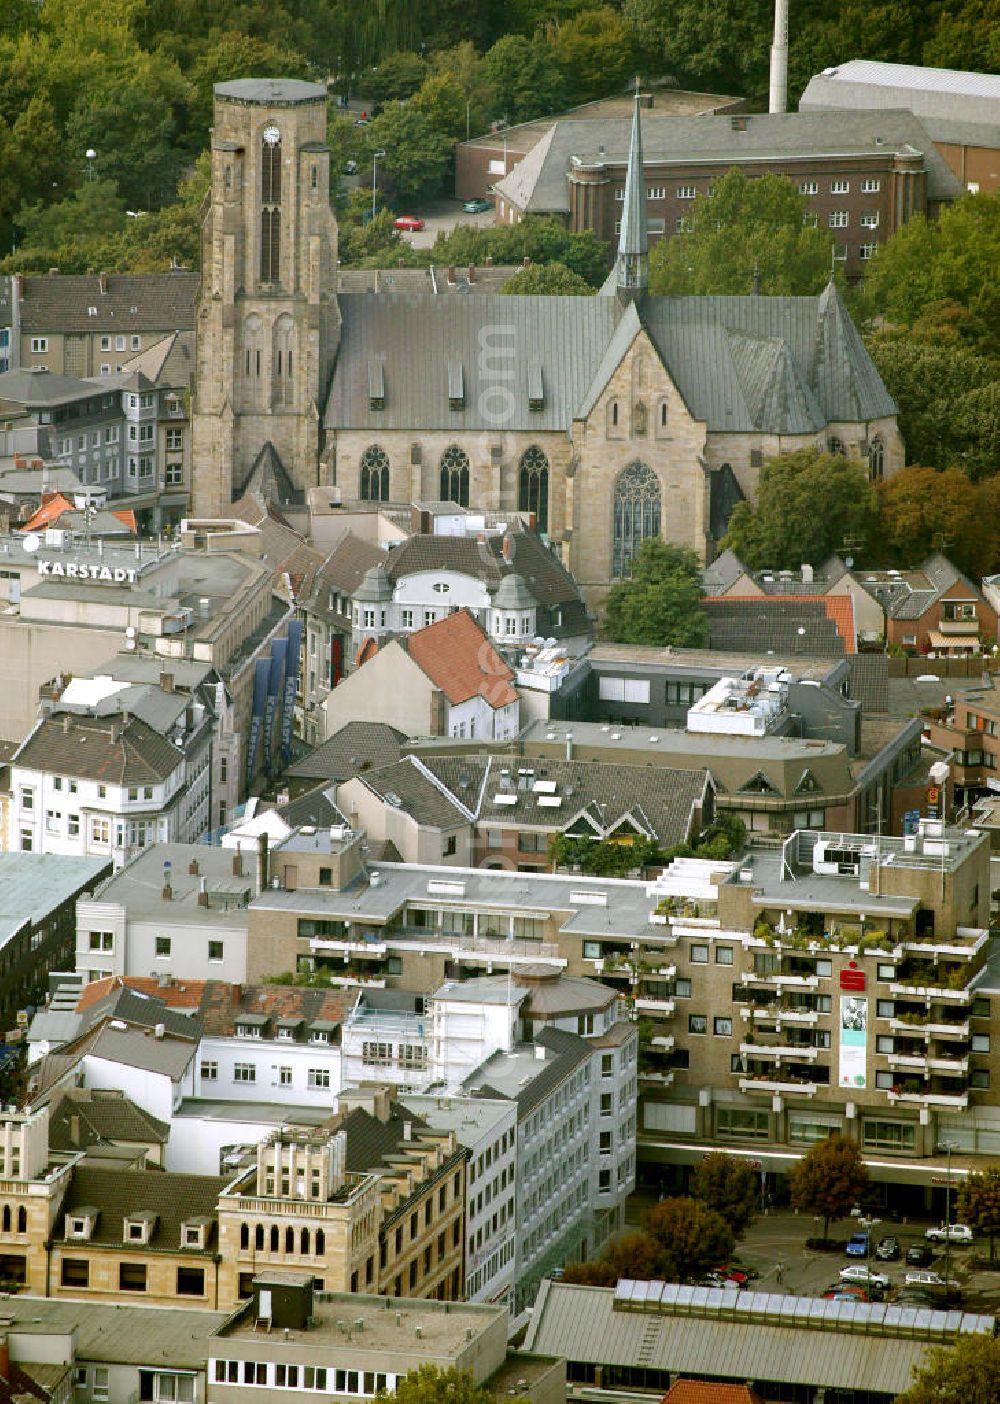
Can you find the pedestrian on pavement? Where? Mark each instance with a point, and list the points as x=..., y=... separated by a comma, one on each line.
x=780, y=1273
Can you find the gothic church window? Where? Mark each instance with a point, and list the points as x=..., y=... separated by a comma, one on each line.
x=876, y=460
x=270, y=205
x=533, y=486
x=836, y=446
x=455, y=476
x=662, y=414
x=282, y=359
x=639, y=419
x=636, y=514
x=252, y=338
x=374, y=485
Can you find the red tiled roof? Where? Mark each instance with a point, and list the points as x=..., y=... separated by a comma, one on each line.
x=709, y=1392
x=839, y=610
x=50, y=511
x=459, y=659
x=184, y=995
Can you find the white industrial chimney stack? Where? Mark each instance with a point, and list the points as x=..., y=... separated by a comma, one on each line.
x=778, y=95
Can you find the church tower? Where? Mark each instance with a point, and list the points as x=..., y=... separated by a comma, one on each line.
x=632, y=260
x=268, y=322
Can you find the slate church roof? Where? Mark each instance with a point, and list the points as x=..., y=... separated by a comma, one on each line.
x=773, y=365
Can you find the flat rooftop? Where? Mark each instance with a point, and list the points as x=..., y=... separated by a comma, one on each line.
x=676, y=102
x=139, y=885
x=469, y=1117
x=695, y=662
x=444, y=1326
x=276, y=1114
x=118, y=1334
x=34, y=884
x=666, y=740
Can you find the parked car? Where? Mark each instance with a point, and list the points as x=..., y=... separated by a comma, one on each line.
x=858, y=1272
x=846, y=1293
x=351, y=168
x=952, y=1233
x=477, y=205
x=408, y=223
x=857, y=1245
x=919, y=1255
x=930, y=1279
x=888, y=1249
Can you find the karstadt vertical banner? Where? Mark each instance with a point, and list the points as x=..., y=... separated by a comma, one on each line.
x=291, y=687
x=275, y=690
x=262, y=670
x=853, y=1041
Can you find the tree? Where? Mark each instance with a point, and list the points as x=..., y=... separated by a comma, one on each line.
x=534, y=238
x=465, y=67
x=969, y=1370
x=809, y=503
x=729, y=1186
x=690, y=1235
x=633, y=1255
x=416, y=155
x=722, y=47
x=829, y=1180
x=396, y=78
x=441, y=100
x=922, y=510
x=978, y=1204
x=661, y=602
x=547, y=280
x=932, y=378
x=595, y=51
x=525, y=78
x=745, y=233
x=429, y=1385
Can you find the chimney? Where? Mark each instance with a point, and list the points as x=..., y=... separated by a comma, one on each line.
x=407, y=1130
x=167, y=682
x=67, y=722
x=193, y=868
x=202, y=893
x=262, y=863
x=569, y=745
x=472, y=272
x=237, y=862
x=168, y=892
x=508, y=550
x=778, y=91
x=159, y=1030
x=236, y=993
x=451, y=275
x=102, y=278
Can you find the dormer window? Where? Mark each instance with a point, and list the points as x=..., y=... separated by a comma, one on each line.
x=81, y=1224
x=286, y=1034
x=247, y=1031
x=138, y=1228
x=194, y=1233
x=251, y=1025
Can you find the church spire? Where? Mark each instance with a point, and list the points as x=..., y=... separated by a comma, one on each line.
x=632, y=262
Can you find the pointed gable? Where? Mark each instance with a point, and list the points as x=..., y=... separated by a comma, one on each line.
x=777, y=396
x=268, y=479
x=843, y=375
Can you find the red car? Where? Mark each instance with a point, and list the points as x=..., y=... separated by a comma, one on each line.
x=409, y=223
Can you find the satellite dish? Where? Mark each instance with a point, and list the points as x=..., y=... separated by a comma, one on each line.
x=32, y=542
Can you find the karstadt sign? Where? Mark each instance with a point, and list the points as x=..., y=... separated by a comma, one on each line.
x=83, y=570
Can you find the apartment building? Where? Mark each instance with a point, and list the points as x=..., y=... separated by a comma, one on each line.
x=969, y=729
x=488, y=1130
x=933, y=609
x=38, y=896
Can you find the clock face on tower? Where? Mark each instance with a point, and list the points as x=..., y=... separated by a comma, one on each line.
x=272, y=136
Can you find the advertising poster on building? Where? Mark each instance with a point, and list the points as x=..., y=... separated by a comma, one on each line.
x=853, y=1040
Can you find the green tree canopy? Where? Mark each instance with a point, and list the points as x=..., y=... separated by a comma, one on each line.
x=829, y=1180
x=942, y=388
x=441, y=99
x=416, y=154
x=948, y=260
x=396, y=78
x=525, y=78
x=809, y=503
x=978, y=1204
x=729, y=1186
x=595, y=51
x=959, y=1374
x=428, y=1384
x=548, y=280
x=661, y=602
x=539, y=240
x=745, y=229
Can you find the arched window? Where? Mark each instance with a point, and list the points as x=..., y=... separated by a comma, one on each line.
x=252, y=342
x=22, y=1219
x=374, y=484
x=639, y=418
x=6, y=1218
x=320, y=1243
x=533, y=486
x=876, y=460
x=304, y=1242
x=258, y=1238
x=244, y=1236
x=270, y=205
x=636, y=514
x=289, y=1240
x=835, y=446
x=455, y=476
x=662, y=415
x=613, y=418
x=282, y=358
x=275, y=1239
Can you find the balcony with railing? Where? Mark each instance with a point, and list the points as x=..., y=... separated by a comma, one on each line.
x=767, y=1048
x=476, y=950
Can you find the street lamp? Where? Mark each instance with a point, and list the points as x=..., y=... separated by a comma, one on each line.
x=948, y=1147
x=376, y=157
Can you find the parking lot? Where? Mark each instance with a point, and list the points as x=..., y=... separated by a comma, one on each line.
x=775, y=1246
